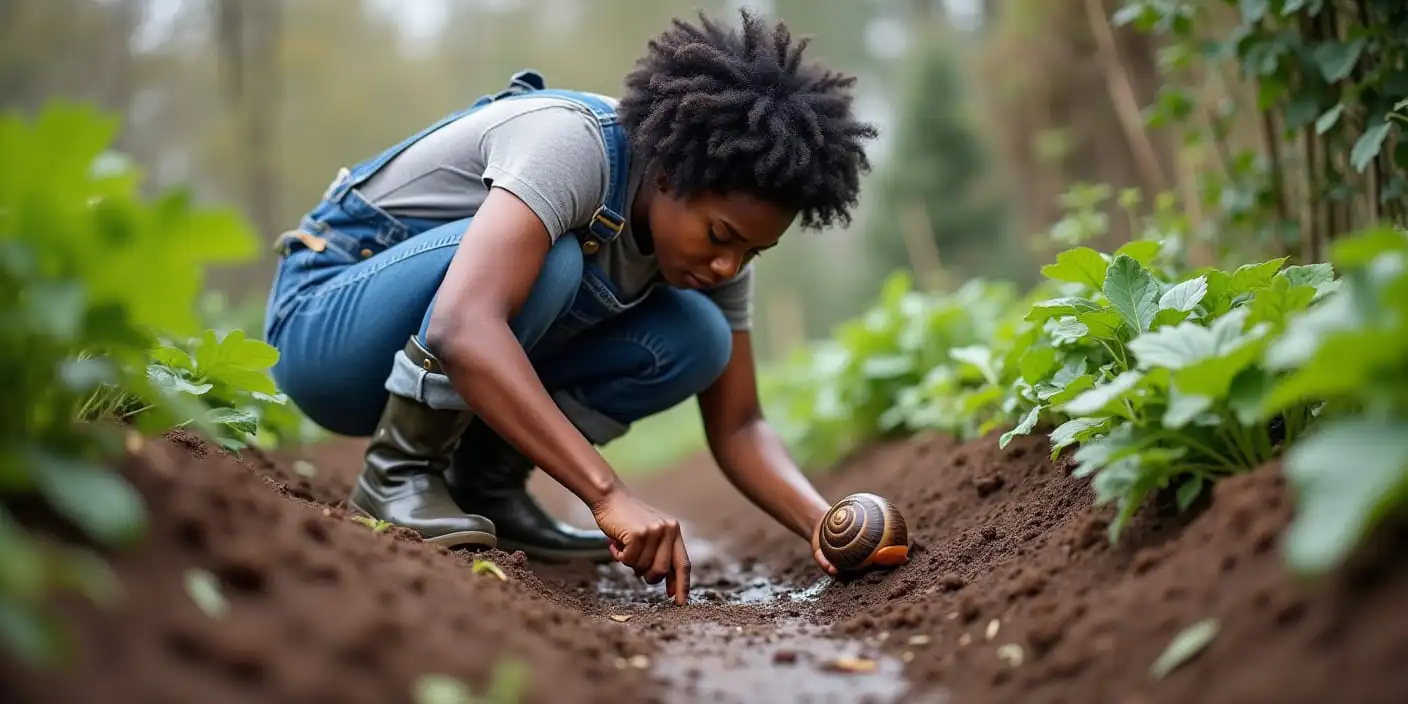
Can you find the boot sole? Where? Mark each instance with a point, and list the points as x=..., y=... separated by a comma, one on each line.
x=551, y=555
x=472, y=538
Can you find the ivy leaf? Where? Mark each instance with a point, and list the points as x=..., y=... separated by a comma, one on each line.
x=1132, y=291
x=1340, y=501
x=1368, y=146
x=1023, y=428
x=1337, y=59
x=1081, y=265
x=1185, y=296
x=1327, y=121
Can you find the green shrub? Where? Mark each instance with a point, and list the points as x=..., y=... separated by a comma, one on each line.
x=92, y=276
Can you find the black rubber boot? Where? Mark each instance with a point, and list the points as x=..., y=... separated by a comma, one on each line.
x=490, y=477
x=403, y=478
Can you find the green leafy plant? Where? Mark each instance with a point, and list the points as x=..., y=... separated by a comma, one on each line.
x=90, y=275
x=882, y=371
x=229, y=373
x=1350, y=357
x=1155, y=374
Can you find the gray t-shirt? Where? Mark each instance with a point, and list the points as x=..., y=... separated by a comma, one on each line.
x=547, y=151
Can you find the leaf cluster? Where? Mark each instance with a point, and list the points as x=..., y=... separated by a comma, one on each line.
x=91, y=276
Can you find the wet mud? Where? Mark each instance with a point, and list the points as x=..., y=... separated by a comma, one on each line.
x=1013, y=594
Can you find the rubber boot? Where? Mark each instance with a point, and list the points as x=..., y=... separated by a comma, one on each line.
x=403, y=478
x=490, y=479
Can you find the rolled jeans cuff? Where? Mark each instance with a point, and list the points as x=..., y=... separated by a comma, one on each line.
x=435, y=390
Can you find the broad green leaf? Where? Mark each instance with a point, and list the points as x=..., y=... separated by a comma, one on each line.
x=1037, y=362
x=1349, y=474
x=173, y=357
x=1075, y=430
x=1071, y=390
x=1361, y=249
x=1057, y=307
x=1184, y=647
x=167, y=380
x=1185, y=296
x=1103, y=399
x=1336, y=59
x=1183, y=408
x=95, y=499
x=1250, y=277
x=1305, y=331
x=1081, y=265
x=1132, y=291
x=1276, y=302
x=980, y=357
x=1218, y=299
x=1248, y=395
x=1142, y=251
x=1327, y=121
x=1189, y=491
x=1367, y=147
x=237, y=361
x=1101, y=324
x=1213, y=376
x=1068, y=331
x=1347, y=363
x=1167, y=317
x=233, y=418
x=1023, y=428
x=1309, y=274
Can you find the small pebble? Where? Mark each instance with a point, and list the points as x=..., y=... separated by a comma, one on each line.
x=908, y=656
x=993, y=626
x=785, y=657
x=1011, y=654
x=920, y=639
x=640, y=662
x=964, y=640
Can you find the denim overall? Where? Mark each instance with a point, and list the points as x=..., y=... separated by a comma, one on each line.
x=354, y=282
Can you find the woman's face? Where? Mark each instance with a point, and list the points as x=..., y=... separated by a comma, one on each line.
x=706, y=240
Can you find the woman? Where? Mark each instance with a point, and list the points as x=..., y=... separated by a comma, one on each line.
x=522, y=280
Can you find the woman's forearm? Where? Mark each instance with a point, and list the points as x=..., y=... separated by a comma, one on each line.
x=490, y=370
x=756, y=461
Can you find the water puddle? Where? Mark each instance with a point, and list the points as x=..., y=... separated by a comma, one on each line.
x=792, y=661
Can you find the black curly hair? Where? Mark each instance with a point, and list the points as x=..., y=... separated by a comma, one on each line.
x=721, y=110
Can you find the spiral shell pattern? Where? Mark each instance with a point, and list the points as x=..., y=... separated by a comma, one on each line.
x=858, y=525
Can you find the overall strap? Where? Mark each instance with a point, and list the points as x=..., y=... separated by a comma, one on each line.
x=610, y=216
x=525, y=81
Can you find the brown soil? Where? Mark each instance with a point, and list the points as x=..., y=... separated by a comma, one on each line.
x=1013, y=595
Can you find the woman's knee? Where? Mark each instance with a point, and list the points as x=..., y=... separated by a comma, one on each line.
x=702, y=338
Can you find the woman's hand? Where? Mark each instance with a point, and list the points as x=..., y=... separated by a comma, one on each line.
x=817, y=555
x=645, y=540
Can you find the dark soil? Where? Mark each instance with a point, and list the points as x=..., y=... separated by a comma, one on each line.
x=1014, y=594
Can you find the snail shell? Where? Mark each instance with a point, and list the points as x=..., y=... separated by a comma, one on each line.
x=864, y=530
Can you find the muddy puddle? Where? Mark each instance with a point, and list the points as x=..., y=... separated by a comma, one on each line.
x=745, y=638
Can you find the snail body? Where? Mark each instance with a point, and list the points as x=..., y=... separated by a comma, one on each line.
x=862, y=531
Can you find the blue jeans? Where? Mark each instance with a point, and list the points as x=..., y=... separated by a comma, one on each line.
x=341, y=322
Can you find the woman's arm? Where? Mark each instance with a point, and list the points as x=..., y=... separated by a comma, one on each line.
x=489, y=278
x=751, y=454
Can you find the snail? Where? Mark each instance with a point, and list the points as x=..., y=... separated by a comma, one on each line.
x=864, y=530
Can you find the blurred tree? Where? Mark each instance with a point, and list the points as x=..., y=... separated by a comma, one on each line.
x=933, y=208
